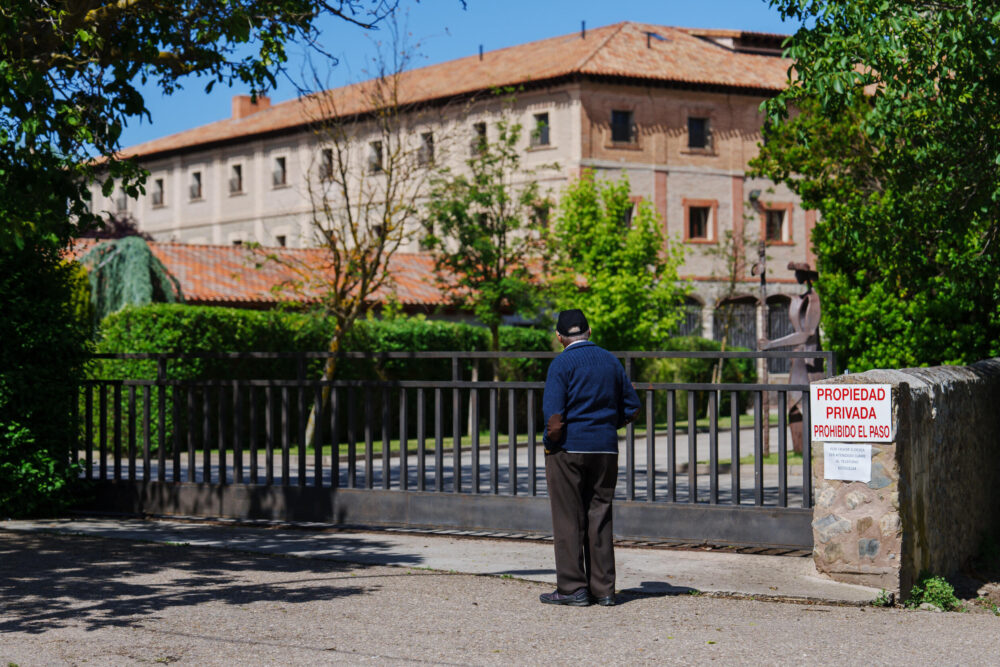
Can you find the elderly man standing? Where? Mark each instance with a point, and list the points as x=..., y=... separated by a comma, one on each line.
x=587, y=399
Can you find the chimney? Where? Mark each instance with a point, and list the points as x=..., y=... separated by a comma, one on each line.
x=243, y=107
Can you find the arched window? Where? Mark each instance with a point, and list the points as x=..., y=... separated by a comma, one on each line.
x=778, y=325
x=690, y=324
x=736, y=321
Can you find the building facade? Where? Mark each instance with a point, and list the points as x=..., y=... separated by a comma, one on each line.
x=676, y=110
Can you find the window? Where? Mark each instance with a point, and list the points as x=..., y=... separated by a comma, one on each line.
x=281, y=239
x=279, y=176
x=540, y=135
x=478, y=144
x=236, y=179
x=774, y=225
x=326, y=164
x=158, y=192
x=195, y=188
x=238, y=242
x=425, y=154
x=698, y=221
x=622, y=127
x=121, y=202
x=375, y=157
x=699, y=135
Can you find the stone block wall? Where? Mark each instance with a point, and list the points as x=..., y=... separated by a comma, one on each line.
x=935, y=488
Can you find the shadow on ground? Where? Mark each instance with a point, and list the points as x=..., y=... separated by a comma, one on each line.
x=49, y=581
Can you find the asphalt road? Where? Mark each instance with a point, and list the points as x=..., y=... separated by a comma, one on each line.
x=76, y=600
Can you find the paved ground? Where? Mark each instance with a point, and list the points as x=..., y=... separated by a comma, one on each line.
x=73, y=599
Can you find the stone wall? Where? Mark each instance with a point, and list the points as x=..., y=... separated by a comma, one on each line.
x=934, y=491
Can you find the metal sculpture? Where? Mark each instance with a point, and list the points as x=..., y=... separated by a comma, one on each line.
x=804, y=313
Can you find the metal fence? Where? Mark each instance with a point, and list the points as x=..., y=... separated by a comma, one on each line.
x=693, y=446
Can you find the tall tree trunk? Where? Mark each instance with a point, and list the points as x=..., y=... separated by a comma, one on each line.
x=329, y=372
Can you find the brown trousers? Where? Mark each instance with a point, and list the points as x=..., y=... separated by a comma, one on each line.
x=581, y=487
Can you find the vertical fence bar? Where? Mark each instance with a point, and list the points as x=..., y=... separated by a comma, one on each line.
x=175, y=410
x=352, y=443
x=386, y=444
x=438, y=441
x=782, y=452
x=270, y=427
x=758, y=449
x=253, y=443
x=223, y=425
x=404, y=443
x=301, y=419
x=494, y=443
x=117, y=463
x=474, y=407
x=456, y=434
x=147, y=397
x=131, y=433
x=532, y=446
x=512, y=441
x=421, y=441
x=74, y=433
x=88, y=429
x=713, y=447
x=286, y=438
x=102, y=397
x=650, y=448
x=238, y=422
x=369, y=442
x=806, y=451
x=734, y=446
x=206, y=435
x=318, y=440
x=692, y=446
x=335, y=421
x=672, y=445
x=630, y=461
x=161, y=432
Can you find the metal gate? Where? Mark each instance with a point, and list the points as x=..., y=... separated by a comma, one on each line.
x=452, y=453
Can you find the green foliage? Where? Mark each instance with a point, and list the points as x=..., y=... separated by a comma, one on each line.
x=42, y=347
x=70, y=79
x=884, y=599
x=632, y=298
x=695, y=371
x=483, y=229
x=896, y=144
x=79, y=297
x=936, y=591
x=125, y=272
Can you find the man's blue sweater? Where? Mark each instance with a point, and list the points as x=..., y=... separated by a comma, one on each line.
x=587, y=399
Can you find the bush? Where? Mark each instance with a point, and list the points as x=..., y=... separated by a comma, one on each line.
x=41, y=354
x=936, y=591
x=695, y=371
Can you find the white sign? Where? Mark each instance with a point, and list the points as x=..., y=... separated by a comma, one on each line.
x=851, y=463
x=851, y=412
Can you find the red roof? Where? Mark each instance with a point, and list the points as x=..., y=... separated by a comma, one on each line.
x=628, y=50
x=227, y=275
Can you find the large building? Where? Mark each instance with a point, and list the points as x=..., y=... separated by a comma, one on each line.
x=676, y=109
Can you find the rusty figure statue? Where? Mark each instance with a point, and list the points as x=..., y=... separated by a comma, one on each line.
x=804, y=312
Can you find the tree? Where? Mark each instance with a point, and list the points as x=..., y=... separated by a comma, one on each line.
x=69, y=77
x=889, y=128
x=631, y=293
x=370, y=169
x=484, y=229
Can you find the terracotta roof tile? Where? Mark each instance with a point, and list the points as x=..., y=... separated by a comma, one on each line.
x=618, y=50
x=227, y=275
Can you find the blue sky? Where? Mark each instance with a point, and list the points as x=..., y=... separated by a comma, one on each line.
x=444, y=31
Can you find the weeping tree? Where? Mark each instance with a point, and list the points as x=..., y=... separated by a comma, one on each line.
x=125, y=272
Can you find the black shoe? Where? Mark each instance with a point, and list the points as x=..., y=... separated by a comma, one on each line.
x=581, y=598
x=606, y=601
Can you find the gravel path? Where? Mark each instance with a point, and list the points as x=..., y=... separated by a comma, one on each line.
x=75, y=600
